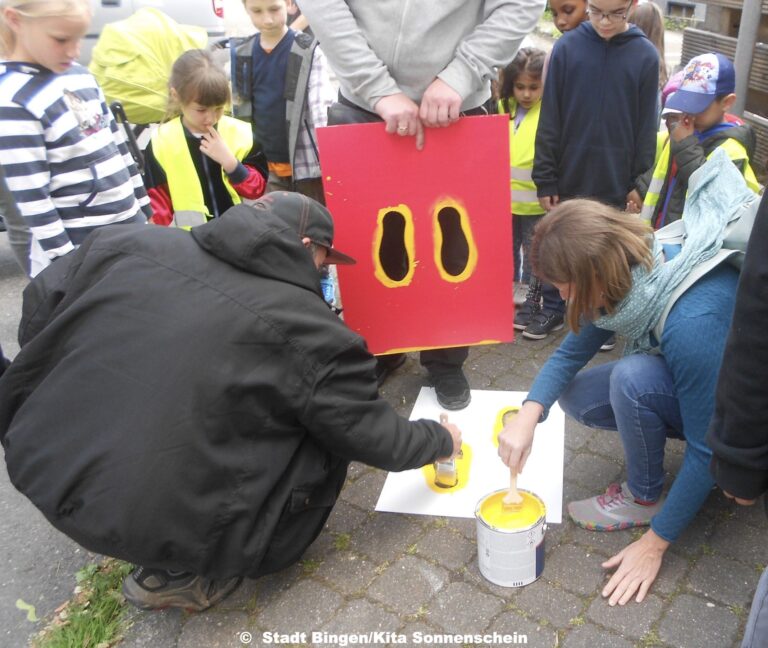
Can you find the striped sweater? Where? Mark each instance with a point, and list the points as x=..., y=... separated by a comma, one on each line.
x=64, y=158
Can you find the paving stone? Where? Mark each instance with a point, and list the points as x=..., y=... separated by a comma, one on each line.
x=243, y=598
x=753, y=515
x=575, y=570
x=606, y=443
x=490, y=364
x=319, y=549
x=308, y=603
x=385, y=536
x=512, y=380
x=606, y=543
x=576, y=436
x=556, y=534
x=543, y=601
x=345, y=518
x=152, y=629
x=466, y=526
x=593, y=472
x=692, y=622
x=462, y=608
x=590, y=636
x=347, y=572
x=724, y=580
x=448, y=547
x=471, y=574
x=408, y=585
x=630, y=620
x=743, y=542
x=695, y=537
x=214, y=630
x=672, y=573
x=522, y=631
x=412, y=628
x=365, y=491
x=269, y=588
x=356, y=617
x=357, y=470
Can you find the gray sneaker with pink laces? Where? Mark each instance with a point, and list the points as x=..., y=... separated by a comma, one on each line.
x=614, y=510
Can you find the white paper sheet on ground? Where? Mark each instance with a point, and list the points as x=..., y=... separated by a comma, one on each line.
x=408, y=492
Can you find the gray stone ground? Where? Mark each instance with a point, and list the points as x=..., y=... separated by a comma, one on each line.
x=404, y=574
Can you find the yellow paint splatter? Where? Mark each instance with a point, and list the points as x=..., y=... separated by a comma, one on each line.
x=501, y=420
x=463, y=463
x=28, y=608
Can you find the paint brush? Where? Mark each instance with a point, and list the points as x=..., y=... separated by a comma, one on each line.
x=446, y=475
x=512, y=500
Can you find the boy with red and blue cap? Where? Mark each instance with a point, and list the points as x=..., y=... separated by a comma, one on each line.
x=705, y=95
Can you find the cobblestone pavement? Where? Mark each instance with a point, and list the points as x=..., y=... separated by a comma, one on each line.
x=417, y=576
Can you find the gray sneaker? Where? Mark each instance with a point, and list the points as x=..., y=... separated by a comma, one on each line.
x=155, y=589
x=614, y=510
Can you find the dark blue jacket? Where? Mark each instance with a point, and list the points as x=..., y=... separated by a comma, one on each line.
x=597, y=130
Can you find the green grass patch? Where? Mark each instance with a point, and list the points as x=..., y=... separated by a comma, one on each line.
x=341, y=541
x=310, y=565
x=94, y=617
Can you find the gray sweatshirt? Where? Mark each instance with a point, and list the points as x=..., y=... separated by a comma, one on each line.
x=381, y=47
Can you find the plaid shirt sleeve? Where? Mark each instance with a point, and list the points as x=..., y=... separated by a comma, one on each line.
x=320, y=95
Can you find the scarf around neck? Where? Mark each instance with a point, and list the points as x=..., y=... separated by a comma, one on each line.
x=716, y=190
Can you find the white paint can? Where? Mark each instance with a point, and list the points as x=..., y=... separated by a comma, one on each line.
x=510, y=541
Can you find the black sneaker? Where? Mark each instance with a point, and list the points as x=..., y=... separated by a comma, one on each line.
x=609, y=344
x=451, y=389
x=386, y=364
x=542, y=324
x=524, y=314
x=154, y=589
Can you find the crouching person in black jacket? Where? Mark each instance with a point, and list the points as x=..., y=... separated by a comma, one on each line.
x=738, y=433
x=189, y=403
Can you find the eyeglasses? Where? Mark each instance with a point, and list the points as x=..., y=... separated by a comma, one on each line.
x=614, y=16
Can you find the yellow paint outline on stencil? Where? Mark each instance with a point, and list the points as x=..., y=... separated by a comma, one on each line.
x=498, y=424
x=409, y=242
x=438, y=237
x=463, y=463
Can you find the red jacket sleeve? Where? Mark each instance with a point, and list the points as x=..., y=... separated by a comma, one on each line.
x=162, y=207
x=253, y=186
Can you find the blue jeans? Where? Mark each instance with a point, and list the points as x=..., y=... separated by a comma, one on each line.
x=756, y=632
x=635, y=396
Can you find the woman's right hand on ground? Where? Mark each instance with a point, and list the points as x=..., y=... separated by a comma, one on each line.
x=455, y=433
x=516, y=439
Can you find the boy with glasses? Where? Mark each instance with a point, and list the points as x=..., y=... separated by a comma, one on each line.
x=597, y=130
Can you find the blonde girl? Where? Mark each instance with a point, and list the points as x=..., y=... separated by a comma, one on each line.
x=64, y=160
x=201, y=160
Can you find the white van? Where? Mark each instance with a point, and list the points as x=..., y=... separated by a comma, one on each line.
x=208, y=14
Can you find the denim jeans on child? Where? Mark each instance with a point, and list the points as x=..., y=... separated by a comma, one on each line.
x=636, y=397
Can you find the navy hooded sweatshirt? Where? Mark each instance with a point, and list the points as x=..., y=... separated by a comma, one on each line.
x=597, y=130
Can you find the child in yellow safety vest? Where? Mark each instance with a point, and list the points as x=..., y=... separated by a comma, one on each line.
x=520, y=98
x=705, y=94
x=201, y=160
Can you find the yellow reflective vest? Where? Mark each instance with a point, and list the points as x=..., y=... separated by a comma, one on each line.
x=732, y=147
x=521, y=149
x=172, y=153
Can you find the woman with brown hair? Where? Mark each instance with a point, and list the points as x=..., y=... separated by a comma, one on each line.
x=616, y=277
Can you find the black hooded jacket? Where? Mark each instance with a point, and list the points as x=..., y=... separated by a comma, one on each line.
x=188, y=401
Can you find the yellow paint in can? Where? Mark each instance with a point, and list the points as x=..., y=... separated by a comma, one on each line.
x=498, y=516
